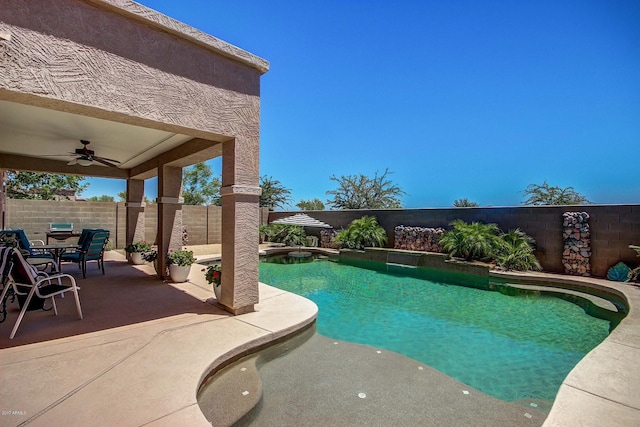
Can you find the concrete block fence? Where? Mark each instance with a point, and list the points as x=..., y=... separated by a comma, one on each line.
x=203, y=223
x=612, y=228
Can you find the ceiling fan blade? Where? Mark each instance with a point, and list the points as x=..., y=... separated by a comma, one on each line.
x=104, y=162
x=73, y=162
x=58, y=155
x=107, y=159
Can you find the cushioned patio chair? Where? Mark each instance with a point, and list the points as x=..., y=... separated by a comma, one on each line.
x=31, y=285
x=24, y=244
x=91, y=249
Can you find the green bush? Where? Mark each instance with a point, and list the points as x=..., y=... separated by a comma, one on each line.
x=362, y=232
x=485, y=242
x=517, y=252
x=290, y=235
x=475, y=241
x=141, y=246
x=634, y=275
x=181, y=258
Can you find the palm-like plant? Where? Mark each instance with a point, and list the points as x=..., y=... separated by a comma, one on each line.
x=517, y=252
x=290, y=235
x=634, y=274
x=475, y=241
x=361, y=233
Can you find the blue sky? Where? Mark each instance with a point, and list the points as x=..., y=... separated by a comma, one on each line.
x=459, y=98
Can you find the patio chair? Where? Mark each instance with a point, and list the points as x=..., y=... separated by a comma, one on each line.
x=92, y=249
x=29, y=285
x=24, y=244
x=6, y=253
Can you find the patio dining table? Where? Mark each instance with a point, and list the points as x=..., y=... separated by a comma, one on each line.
x=56, y=249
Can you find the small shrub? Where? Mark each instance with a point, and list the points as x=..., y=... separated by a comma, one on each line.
x=290, y=235
x=517, y=252
x=634, y=275
x=141, y=246
x=213, y=274
x=513, y=250
x=361, y=233
x=181, y=258
x=475, y=241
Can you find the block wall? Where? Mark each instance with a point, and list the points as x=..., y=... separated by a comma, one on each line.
x=613, y=227
x=34, y=216
x=204, y=223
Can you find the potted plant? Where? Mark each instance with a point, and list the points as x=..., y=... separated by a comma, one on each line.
x=135, y=251
x=213, y=274
x=152, y=256
x=180, y=265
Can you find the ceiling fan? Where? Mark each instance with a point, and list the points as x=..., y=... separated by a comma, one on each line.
x=86, y=157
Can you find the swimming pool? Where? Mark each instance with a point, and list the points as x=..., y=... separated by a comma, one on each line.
x=511, y=347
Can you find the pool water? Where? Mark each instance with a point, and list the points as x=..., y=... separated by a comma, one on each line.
x=510, y=347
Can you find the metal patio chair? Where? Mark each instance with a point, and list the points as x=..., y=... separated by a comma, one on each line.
x=32, y=286
x=91, y=249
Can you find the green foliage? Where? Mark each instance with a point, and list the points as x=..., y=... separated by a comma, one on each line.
x=122, y=197
x=181, y=257
x=363, y=192
x=517, y=252
x=141, y=246
x=213, y=274
x=546, y=195
x=310, y=205
x=464, y=203
x=150, y=255
x=361, y=233
x=200, y=186
x=274, y=194
x=43, y=186
x=103, y=198
x=290, y=235
x=475, y=241
x=634, y=275
x=513, y=250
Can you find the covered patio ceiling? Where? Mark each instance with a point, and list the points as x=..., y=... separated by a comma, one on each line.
x=41, y=139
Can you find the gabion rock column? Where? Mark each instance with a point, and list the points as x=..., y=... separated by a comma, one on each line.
x=418, y=238
x=577, y=243
x=326, y=238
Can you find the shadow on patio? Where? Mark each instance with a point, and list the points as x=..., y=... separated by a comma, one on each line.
x=126, y=295
x=140, y=354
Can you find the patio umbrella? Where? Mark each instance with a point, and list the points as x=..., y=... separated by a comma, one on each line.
x=302, y=219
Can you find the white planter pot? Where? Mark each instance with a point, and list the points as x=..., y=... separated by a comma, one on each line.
x=179, y=273
x=217, y=290
x=136, y=258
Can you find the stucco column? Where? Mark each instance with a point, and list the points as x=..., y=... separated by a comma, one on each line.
x=135, y=211
x=169, y=213
x=240, y=219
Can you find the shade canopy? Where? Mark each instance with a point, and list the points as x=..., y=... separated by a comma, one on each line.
x=303, y=220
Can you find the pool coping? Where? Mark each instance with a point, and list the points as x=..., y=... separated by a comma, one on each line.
x=604, y=387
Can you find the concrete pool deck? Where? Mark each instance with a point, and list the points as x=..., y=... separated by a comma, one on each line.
x=145, y=346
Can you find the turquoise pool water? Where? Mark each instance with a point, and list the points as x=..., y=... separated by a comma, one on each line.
x=511, y=347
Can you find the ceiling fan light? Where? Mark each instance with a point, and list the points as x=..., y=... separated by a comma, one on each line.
x=84, y=162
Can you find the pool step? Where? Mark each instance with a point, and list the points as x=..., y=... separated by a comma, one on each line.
x=596, y=300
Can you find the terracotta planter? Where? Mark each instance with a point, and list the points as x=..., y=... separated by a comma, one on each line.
x=179, y=273
x=136, y=258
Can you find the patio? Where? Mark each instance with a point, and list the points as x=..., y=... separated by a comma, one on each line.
x=140, y=353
